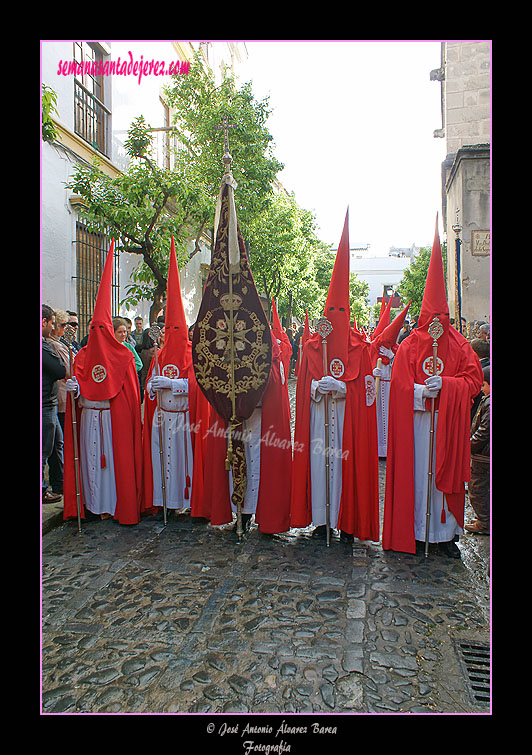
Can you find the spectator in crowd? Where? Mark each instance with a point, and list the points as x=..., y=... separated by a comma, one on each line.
x=74, y=323
x=482, y=350
x=138, y=333
x=56, y=340
x=52, y=371
x=405, y=331
x=484, y=332
x=479, y=484
x=295, y=348
x=120, y=330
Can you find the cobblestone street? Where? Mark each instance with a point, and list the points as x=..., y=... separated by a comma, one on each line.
x=184, y=619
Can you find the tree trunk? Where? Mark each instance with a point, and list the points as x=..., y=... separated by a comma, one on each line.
x=157, y=305
x=289, y=311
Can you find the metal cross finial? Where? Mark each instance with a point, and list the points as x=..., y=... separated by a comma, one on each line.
x=225, y=126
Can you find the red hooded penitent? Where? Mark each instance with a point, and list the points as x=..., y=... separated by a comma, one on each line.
x=105, y=370
x=348, y=360
x=175, y=361
x=461, y=375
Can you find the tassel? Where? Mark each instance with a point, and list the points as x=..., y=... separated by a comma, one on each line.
x=188, y=481
x=443, y=517
x=186, y=493
x=103, y=462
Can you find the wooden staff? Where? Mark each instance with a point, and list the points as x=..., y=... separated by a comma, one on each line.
x=377, y=379
x=435, y=330
x=325, y=328
x=154, y=333
x=69, y=337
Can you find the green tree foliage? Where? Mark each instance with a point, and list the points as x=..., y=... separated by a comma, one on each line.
x=49, y=101
x=358, y=300
x=282, y=250
x=141, y=209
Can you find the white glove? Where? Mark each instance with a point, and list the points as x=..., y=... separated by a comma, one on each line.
x=328, y=384
x=160, y=383
x=377, y=372
x=386, y=352
x=433, y=383
x=433, y=386
x=72, y=385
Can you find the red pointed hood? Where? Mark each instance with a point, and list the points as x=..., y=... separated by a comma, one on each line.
x=383, y=304
x=389, y=335
x=434, y=297
x=384, y=319
x=306, y=330
x=175, y=356
x=101, y=365
x=276, y=323
x=337, y=309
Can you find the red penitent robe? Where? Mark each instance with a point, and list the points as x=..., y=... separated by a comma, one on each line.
x=127, y=439
x=359, y=501
x=461, y=381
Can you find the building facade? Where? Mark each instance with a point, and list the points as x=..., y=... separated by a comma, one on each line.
x=101, y=87
x=465, y=77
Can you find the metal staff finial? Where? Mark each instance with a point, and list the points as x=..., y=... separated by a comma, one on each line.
x=225, y=126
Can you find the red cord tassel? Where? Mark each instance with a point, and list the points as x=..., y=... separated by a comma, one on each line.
x=443, y=517
x=103, y=462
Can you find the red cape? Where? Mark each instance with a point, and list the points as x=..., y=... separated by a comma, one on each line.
x=127, y=449
x=359, y=501
x=199, y=420
x=461, y=381
x=273, y=504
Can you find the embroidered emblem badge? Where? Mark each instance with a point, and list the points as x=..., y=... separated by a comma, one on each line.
x=370, y=389
x=170, y=371
x=427, y=366
x=336, y=368
x=99, y=373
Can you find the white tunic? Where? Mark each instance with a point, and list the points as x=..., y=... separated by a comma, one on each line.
x=177, y=446
x=383, y=402
x=97, y=484
x=438, y=532
x=336, y=401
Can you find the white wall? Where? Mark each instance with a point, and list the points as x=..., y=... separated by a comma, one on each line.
x=378, y=271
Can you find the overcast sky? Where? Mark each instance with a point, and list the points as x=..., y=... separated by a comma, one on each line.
x=353, y=123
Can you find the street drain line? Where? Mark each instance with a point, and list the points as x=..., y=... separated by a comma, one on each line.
x=475, y=659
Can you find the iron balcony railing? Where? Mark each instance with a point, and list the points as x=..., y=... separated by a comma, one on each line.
x=91, y=118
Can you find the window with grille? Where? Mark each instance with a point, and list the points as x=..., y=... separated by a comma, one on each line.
x=91, y=252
